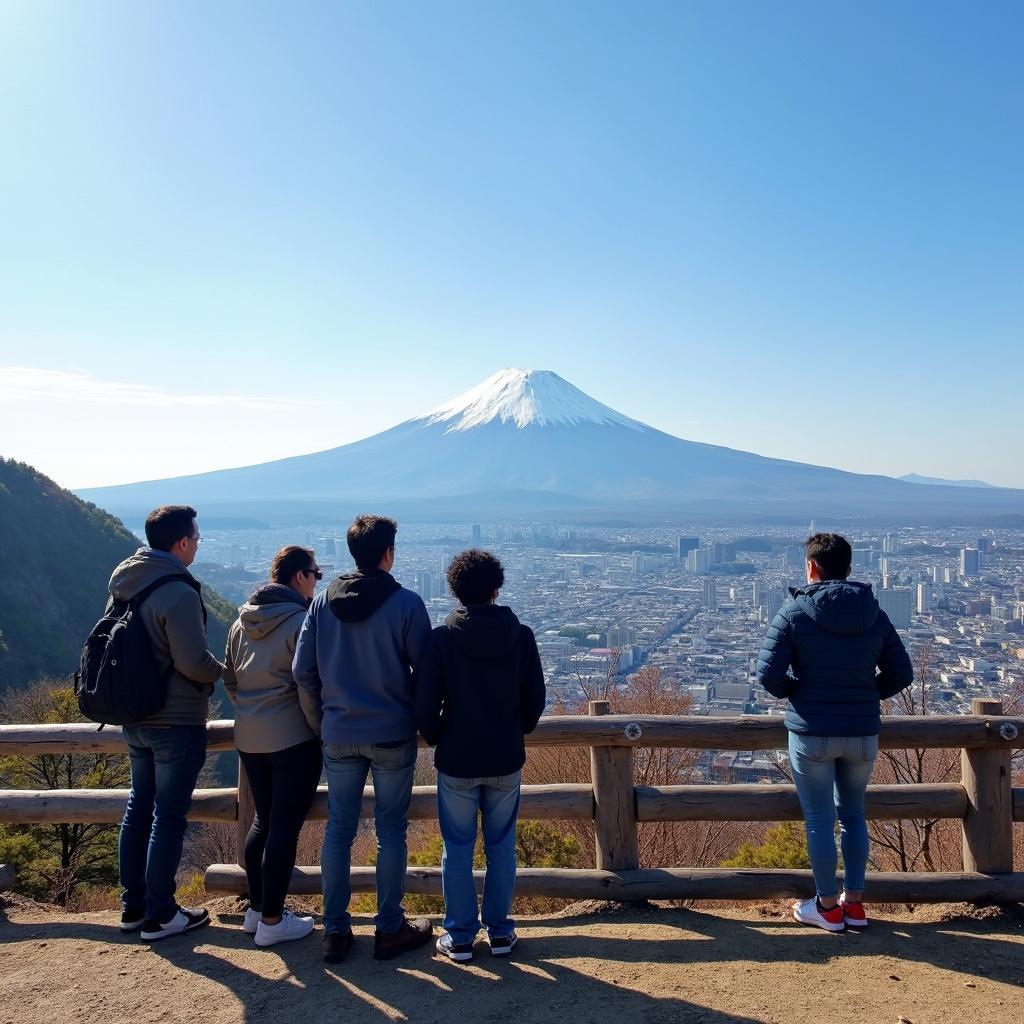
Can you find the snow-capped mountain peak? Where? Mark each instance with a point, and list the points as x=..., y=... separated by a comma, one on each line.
x=526, y=398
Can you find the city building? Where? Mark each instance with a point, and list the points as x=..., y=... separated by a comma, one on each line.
x=897, y=605
x=970, y=562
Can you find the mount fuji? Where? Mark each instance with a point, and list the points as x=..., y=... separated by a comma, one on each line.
x=525, y=439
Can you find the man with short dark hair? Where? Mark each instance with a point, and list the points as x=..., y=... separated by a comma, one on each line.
x=846, y=657
x=480, y=689
x=168, y=749
x=357, y=649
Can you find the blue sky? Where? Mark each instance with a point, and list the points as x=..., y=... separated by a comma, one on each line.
x=253, y=230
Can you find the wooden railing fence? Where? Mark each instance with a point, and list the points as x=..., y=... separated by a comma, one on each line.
x=984, y=801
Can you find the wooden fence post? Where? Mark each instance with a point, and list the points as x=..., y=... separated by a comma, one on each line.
x=988, y=823
x=246, y=813
x=611, y=769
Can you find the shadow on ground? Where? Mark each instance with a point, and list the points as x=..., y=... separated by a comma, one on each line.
x=552, y=974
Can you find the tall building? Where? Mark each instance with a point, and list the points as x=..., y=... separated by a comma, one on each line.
x=936, y=574
x=776, y=599
x=698, y=560
x=897, y=605
x=947, y=575
x=758, y=592
x=710, y=597
x=924, y=598
x=886, y=566
x=970, y=562
x=891, y=543
x=476, y=535
x=684, y=545
x=984, y=545
x=722, y=552
x=796, y=556
x=638, y=563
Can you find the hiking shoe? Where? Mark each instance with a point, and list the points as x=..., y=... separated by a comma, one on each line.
x=502, y=945
x=411, y=935
x=812, y=912
x=252, y=919
x=290, y=927
x=460, y=952
x=853, y=913
x=336, y=946
x=186, y=919
x=132, y=920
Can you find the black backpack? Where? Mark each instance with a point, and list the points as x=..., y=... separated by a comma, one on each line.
x=119, y=681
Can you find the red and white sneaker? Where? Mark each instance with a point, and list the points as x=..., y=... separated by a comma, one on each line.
x=853, y=913
x=812, y=912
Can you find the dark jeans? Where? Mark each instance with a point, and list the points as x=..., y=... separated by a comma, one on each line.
x=165, y=765
x=283, y=785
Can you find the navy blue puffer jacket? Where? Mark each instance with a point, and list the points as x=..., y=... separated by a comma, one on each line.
x=833, y=636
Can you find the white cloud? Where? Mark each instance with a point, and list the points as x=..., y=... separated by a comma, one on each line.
x=33, y=384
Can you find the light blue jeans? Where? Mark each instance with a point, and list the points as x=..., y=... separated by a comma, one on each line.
x=458, y=802
x=346, y=768
x=831, y=774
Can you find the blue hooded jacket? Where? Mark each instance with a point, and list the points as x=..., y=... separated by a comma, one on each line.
x=833, y=636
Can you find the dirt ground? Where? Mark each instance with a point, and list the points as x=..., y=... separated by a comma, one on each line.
x=591, y=963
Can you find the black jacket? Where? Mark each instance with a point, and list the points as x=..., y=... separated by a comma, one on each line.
x=479, y=689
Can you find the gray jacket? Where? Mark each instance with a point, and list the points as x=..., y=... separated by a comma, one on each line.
x=173, y=618
x=271, y=712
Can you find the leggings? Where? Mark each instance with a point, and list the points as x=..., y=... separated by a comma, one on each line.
x=283, y=786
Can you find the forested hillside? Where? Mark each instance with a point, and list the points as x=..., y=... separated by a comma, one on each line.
x=56, y=555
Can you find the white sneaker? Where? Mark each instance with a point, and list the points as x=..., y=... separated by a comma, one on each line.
x=807, y=912
x=290, y=927
x=252, y=919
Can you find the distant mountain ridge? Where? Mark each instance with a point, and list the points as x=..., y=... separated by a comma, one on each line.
x=524, y=432
x=932, y=481
x=55, y=560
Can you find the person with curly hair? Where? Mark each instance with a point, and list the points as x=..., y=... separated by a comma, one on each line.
x=480, y=689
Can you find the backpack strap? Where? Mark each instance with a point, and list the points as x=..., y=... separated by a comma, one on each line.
x=181, y=577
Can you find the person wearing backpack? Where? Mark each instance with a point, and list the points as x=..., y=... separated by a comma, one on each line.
x=277, y=732
x=168, y=748
x=480, y=688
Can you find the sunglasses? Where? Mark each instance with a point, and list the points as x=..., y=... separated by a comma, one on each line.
x=314, y=572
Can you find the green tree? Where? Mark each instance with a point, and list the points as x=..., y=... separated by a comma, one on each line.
x=56, y=861
x=784, y=846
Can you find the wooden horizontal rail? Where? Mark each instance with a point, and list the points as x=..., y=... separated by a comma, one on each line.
x=85, y=738
x=780, y=803
x=97, y=806
x=671, y=884
x=551, y=802
x=747, y=732
x=23, y=806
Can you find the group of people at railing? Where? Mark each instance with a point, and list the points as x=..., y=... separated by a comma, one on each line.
x=340, y=683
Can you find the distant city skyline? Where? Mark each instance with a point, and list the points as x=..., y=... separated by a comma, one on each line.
x=232, y=236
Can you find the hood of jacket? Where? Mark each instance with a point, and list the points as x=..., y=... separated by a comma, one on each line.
x=267, y=608
x=485, y=631
x=357, y=595
x=137, y=571
x=840, y=606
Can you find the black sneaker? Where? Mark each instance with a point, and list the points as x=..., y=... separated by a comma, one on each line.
x=132, y=919
x=186, y=919
x=336, y=946
x=411, y=935
x=459, y=952
x=502, y=945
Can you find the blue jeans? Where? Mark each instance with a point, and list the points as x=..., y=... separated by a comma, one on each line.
x=346, y=768
x=165, y=766
x=458, y=801
x=831, y=774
